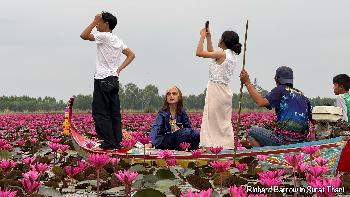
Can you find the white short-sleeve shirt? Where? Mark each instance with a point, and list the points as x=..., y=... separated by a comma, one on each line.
x=109, y=54
x=340, y=102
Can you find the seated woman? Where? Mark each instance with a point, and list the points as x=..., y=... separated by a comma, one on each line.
x=172, y=125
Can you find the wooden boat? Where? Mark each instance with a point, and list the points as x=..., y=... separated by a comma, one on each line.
x=330, y=149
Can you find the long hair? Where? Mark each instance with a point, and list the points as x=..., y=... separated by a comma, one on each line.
x=179, y=104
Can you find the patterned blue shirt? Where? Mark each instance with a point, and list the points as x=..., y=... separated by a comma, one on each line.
x=293, y=110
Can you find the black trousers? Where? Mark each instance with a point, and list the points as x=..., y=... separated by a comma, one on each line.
x=106, y=111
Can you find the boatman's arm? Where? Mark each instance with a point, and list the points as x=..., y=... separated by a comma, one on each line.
x=253, y=92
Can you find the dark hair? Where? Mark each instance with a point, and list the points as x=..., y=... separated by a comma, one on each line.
x=110, y=19
x=231, y=41
x=179, y=105
x=342, y=80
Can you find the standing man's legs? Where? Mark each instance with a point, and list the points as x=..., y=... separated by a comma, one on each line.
x=116, y=116
x=101, y=115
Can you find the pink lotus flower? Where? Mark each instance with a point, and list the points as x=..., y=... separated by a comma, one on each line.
x=93, y=132
x=327, y=184
x=7, y=193
x=6, y=147
x=28, y=160
x=39, y=167
x=237, y=191
x=54, y=146
x=221, y=166
x=271, y=174
x=72, y=171
x=241, y=148
x=321, y=161
x=144, y=139
x=3, y=142
x=30, y=186
x=115, y=161
x=270, y=182
x=170, y=162
x=82, y=164
x=137, y=135
x=205, y=193
x=261, y=157
x=20, y=142
x=241, y=167
x=7, y=164
x=90, y=145
x=317, y=171
x=164, y=154
x=310, y=149
x=55, y=140
x=216, y=150
x=257, y=195
x=63, y=147
x=31, y=175
x=128, y=143
x=196, y=153
x=126, y=177
x=294, y=160
x=184, y=146
x=98, y=160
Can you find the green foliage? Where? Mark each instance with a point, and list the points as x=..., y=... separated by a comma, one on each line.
x=132, y=98
x=175, y=190
x=149, y=192
x=165, y=174
x=198, y=182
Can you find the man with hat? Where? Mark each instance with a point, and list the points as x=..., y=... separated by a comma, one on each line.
x=293, y=110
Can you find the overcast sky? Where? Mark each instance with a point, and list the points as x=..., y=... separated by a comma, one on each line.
x=42, y=54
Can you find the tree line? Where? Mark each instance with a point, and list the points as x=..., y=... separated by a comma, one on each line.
x=132, y=98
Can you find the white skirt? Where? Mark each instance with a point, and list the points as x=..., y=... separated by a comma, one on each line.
x=216, y=127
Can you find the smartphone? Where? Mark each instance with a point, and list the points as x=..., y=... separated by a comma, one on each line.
x=206, y=25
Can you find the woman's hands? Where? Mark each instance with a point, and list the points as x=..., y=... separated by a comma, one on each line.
x=205, y=33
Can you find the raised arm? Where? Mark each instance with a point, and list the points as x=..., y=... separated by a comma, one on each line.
x=200, y=52
x=130, y=56
x=86, y=34
x=209, y=43
x=253, y=92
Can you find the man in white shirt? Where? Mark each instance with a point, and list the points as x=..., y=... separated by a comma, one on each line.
x=341, y=86
x=106, y=103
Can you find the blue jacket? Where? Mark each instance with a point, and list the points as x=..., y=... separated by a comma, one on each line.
x=161, y=126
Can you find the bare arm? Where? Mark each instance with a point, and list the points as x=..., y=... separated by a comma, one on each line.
x=209, y=43
x=86, y=34
x=130, y=56
x=253, y=92
x=200, y=52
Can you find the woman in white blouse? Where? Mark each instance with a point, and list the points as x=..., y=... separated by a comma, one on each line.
x=216, y=127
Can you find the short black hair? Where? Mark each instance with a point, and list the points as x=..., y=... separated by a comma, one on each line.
x=342, y=80
x=110, y=19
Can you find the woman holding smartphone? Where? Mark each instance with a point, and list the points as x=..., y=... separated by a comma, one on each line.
x=216, y=127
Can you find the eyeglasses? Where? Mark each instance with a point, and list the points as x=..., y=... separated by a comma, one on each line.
x=171, y=93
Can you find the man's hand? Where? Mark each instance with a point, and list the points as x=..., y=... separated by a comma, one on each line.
x=244, y=76
x=118, y=71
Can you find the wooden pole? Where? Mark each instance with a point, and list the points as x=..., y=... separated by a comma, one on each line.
x=241, y=91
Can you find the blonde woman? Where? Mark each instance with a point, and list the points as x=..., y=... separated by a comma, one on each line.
x=172, y=126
